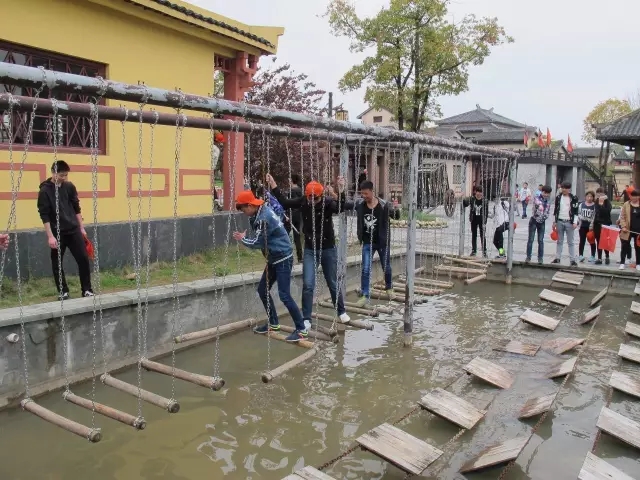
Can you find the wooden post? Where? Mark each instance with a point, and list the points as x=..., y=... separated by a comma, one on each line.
x=348, y=308
x=276, y=372
x=412, y=202
x=462, y=209
x=470, y=281
x=91, y=434
x=513, y=172
x=212, y=332
x=213, y=383
x=122, y=417
x=351, y=323
x=313, y=334
x=171, y=406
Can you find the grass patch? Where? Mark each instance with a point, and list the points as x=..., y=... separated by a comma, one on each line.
x=420, y=216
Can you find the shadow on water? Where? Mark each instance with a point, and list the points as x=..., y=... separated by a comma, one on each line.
x=255, y=431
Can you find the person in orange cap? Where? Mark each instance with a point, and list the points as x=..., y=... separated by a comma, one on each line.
x=272, y=238
x=317, y=208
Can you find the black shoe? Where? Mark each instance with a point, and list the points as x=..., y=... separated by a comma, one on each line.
x=484, y=254
x=63, y=296
x=574, y=264
x=556, y=260
x=599, y=262
x=527, y=260
x=473, y=254
x=606, y=261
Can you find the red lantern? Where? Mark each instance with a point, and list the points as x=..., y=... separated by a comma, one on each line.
x=219, y=137
x=89, y=247
x=591, y=237
x=554, y=235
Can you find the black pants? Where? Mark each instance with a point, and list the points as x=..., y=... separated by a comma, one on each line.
x=625, y=250
x=75, y=243
x=597, y=228
x=475, y=226
x=498, y=236
x=583, y=239
x=297, y=239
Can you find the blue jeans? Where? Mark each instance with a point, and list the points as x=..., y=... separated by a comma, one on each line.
x=281, y=273
x=533, y=228
x=328, y=259
x=566, y=228
x=524, y=208
x=368, y=251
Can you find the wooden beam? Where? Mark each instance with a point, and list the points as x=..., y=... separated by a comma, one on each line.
x=473, y=280
x=513, y=346
x=629, y=384
x=348, y=308
x=276, y=372
x=212, y=332
x=619, y=426
x=213, y=383
x=496, y=454
x=170, y=405
x=590, y=316
x=562, y=345
x=556, y=297
x=489, y=372
x=562, y=369
x=535, y=318
x=91, y=434
x=452, y=408
x=595, y=468
x=109, y=412
x=536, y=406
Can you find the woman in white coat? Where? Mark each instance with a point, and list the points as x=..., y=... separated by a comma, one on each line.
x=501, y=221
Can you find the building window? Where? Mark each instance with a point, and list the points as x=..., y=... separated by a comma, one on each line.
x=457, y=174
x=377, y=119
x=74, y=131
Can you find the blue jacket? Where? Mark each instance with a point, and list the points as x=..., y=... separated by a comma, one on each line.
x=270, y=235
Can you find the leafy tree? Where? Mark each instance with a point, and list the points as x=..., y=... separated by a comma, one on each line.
x=417, y=55
x=604, y=112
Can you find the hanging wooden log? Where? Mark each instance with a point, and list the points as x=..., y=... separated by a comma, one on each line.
x=360, y=310
x=377, y=294
x=171, y=406
x=213, y=383
x=428, y=282
x=276, y=372
x=463, y=261
x=402, y=288
x=283, y=338
x=383, y=309
x=212, y=332
x=419, y=270
x=318, y=335
x=351, y=323
x=122, y=417
x=449, y=269
x=91, y=434
x=473, y=280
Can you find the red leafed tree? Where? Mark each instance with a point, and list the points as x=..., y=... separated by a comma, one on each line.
x=283, y=89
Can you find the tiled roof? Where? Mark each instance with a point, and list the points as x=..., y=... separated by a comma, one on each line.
x=190, y=13
x=624, y=128
x=587, y=151
x=479, y=115
x=497, y=136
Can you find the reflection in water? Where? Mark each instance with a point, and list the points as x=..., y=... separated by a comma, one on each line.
x=255, y=431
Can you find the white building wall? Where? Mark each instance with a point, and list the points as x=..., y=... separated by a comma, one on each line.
x=533, y=174
x=387, y=118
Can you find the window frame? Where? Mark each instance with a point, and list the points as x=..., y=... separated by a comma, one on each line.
x=377, y=121
x=51, y=56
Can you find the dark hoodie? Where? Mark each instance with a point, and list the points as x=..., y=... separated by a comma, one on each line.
x=69, y=206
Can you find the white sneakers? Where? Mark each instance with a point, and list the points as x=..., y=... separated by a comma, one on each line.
x=622, y=267
x=344, y=318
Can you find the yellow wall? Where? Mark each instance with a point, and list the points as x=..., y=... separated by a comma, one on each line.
x=133, y=50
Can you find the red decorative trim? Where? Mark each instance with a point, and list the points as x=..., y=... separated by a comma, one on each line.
x=41, y=168
x=131, y=171
x=184, y=172
x=110, y=170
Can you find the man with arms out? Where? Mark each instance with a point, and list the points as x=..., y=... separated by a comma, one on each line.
x=566, y=220
x=72, y=232
x=271, y=237
x=539, y=215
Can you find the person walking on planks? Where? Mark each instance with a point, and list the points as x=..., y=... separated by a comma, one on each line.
x=317, y=210
x=373, y=229
x=602, y=216
x=271, y=237
x=630, y=228
x=565, y=222
x=501, y=221
x=587, y=214
x=478, y=215
x=539, y=215
x=57, y=189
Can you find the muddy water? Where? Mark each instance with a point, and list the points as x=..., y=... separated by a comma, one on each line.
x=256, y=431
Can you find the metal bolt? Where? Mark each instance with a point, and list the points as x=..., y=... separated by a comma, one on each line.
x=13, y=338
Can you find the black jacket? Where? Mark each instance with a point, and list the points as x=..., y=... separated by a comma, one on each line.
x=602, y=215
x=574, y=208
x=294, y=215
x=384, y=225
x=472, y=202
x=69, y=206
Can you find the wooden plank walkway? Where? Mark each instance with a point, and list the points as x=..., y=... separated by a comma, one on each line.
x=619, y=426
x=629, y=384
x=632, y=329
x=496, y=454
x=595, y=468
x=514, y=346
x=635, y=308
x=536, y=406
x=308, y=473
x=590, y=316
x=599, y=296
x=629, y=353
x=405, y=451
x=489, y=372
x=535, y=318
x=555, y=297
x=562, y=369
x=574, y=279
x=452, y=408
x=562, y=344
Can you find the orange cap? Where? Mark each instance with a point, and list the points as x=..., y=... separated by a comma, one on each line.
x=246, y=197
x=314, y=189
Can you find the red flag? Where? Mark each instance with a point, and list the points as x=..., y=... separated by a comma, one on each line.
x=569, y=144
x=548, y=137
x=540, y=142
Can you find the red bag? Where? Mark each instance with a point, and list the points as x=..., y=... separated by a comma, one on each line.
x=89, y=246
x=608, y=238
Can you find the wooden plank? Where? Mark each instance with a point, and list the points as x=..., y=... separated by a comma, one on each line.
x=405, y=451
x=562, y=369
x=489, y=372
x=632, y=329
x=600, y=295
x=619, y=426
x=635, y=308
x=562, y=344
x=496, y=454
x=513, y=346
x=535, y=318
x=452, y=408
x=536, y=406
x=569, y=278
x=309, y=473
x=590, y=316
x=556, y=297
x=450, y=269
x=629, y=384
x=629, y=353
x=595, y=468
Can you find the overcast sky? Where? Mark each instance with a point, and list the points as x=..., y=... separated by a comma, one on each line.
x=567, y=56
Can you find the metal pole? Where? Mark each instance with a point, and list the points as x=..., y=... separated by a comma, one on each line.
x=411, y=246
x=12, y=74
x=513, y=178
x=330, y=105
x=342, y=247
x=464, y=194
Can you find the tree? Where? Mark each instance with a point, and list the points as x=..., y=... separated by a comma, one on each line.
x=280, y=88
x=604, y=112
x=417, y=55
